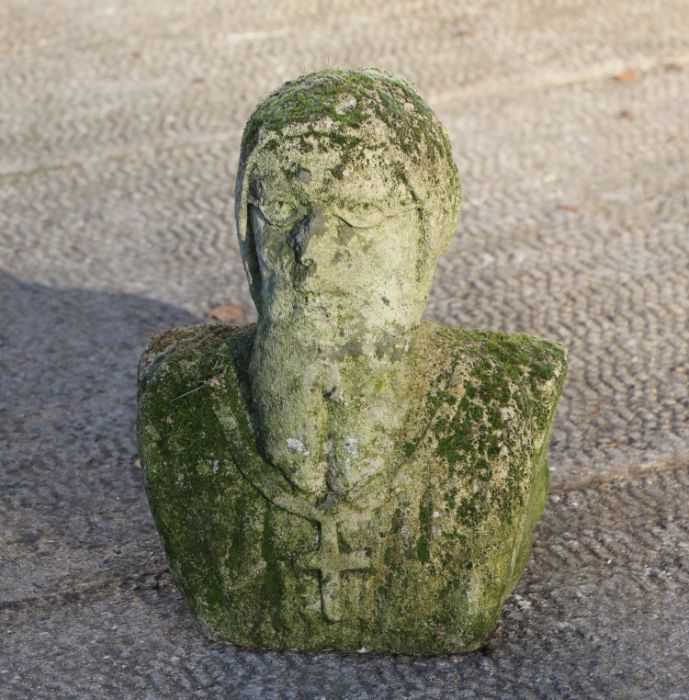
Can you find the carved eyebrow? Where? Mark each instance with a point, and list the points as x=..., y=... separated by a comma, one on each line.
x=350, y=216
x=361, y=215
x=381, y=205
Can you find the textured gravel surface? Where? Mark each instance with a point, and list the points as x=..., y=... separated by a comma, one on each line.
x=119, y=132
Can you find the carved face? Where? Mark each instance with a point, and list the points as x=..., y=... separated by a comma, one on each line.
x=346, y=196
x=343, y=238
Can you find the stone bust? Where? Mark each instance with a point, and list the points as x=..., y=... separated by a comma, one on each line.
x=343, y=474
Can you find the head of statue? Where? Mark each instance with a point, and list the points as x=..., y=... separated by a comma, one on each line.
x=346, y=196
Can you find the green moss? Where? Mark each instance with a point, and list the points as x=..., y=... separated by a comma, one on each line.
x=272, y=590
x=342, y=543
x=237, y=552
x=508, y=373
x=472, y=510
x=423, y=544
x=393, y=106
x=350, y=98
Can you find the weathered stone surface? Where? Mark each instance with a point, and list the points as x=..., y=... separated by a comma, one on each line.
x=343, y=475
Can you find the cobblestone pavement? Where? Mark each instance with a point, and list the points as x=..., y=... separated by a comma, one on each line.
x=119, y=131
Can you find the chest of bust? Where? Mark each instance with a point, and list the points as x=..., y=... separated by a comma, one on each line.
x=419, y=558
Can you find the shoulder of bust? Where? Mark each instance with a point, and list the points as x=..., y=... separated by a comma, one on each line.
x=518, y=356
x=195, y=352
x=486, y=424
x=496, y=360
x=490, y=387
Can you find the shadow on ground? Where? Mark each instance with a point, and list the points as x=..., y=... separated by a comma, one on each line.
x=71, y=495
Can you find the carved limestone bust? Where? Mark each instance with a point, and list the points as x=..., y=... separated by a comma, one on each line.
x=342, y=474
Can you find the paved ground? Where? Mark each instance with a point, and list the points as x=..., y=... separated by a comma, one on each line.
x=119, y=133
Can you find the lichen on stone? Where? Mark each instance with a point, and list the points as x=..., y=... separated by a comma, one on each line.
x=347, y=100
x=343, y=474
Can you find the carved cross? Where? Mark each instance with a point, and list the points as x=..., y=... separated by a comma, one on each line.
x=330, y=563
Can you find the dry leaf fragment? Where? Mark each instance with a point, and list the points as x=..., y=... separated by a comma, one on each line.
x=573, y=206
x=626, y=77
x=625, y=115
x=227, y=313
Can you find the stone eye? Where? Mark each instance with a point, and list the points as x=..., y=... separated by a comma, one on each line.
x=362, y=217
x=280, y=213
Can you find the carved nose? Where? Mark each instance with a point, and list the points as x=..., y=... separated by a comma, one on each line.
x=301, y=237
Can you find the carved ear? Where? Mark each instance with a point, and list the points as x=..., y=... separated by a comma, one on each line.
x=245, y=234
x=439, y=221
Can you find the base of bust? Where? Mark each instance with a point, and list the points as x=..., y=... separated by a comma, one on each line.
x=402, y=605
x=420, y=562
x=414, y=646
